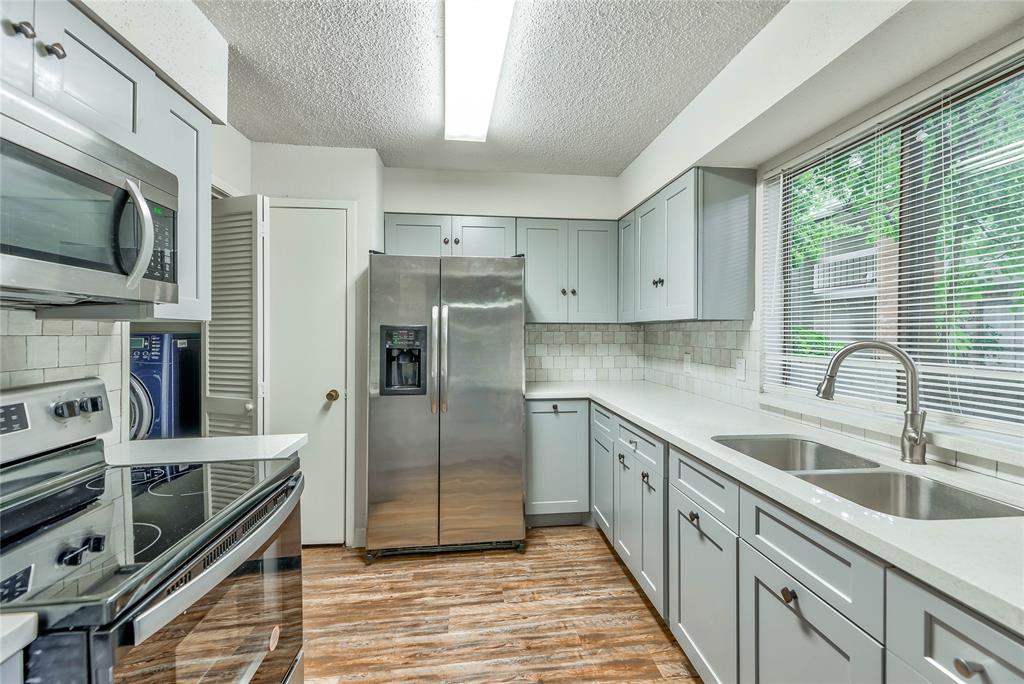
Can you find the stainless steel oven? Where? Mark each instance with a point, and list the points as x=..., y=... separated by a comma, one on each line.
x=82, y=219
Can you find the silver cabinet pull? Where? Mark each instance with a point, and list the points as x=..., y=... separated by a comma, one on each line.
x=788, y=595
x=148, y=234
x=563, y=291
x=693, y=516
x=554, y=407
x=622, y=460
x=444, y=358
x=966, y=668
x=573, y=291
x=434, y=356
x=661, y=282
x=57, y=50
x=446, y=241
x=654, y=282
x=632, y=443
x=25, y=28
x=457, y=240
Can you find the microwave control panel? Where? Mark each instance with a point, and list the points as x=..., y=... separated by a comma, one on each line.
x=163, y=265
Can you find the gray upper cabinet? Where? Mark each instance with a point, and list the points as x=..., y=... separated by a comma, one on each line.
x=483, y=236
x=593, y=252
x=417, y=234
x=557, y=460
x=788, y=634
x=627, y=268
x=702, y=570
x=570, y=270
x=17, y=24
x=82, y=71
x=694, y=248
x=545, y=244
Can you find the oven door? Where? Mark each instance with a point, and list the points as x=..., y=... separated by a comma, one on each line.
x=74, y=227
x=237, y=620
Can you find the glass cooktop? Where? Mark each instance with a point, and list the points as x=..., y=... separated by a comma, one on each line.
x=81, y=549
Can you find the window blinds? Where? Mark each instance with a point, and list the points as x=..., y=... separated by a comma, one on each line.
x=914, y=235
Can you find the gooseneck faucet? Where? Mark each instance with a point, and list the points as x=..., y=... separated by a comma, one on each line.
x=914, y=441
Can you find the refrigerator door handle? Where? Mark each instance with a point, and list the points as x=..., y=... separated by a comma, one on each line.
x=444, y=358
x=434, y=355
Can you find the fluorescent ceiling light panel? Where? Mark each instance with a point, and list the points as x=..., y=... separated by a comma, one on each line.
x=475, y=33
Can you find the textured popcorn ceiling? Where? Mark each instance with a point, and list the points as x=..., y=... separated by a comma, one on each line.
x=586, y=85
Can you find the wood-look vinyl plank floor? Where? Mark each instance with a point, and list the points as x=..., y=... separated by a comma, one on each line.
x=566, y=610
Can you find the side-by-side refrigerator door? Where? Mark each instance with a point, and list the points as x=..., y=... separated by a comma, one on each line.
x=402, y=461
x=482, y=424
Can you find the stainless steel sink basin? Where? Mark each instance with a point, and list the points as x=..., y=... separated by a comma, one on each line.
x=909, y=496
x=793, y=453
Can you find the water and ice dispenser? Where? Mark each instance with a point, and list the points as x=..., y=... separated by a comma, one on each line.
x=403, y=359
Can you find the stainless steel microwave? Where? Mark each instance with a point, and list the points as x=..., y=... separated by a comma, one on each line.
x=82, y=219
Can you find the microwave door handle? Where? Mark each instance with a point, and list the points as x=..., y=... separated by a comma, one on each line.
x=156, y=617
x=148, y=234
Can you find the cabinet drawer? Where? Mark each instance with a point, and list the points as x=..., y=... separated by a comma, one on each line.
x=804, y=640
x=604, y=418
x=648, y=450
x=717, y=493
x=851, y=581
x=931, y=633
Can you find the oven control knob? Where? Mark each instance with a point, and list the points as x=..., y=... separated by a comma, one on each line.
x=91, y=404
x=66, y=409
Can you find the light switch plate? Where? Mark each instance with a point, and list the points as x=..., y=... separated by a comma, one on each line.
x=687, y=362
x=741, y=369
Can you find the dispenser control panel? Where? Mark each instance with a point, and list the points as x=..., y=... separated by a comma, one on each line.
x=403, y=359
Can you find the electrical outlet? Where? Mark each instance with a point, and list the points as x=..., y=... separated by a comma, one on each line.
x=687, y=362
x=741, y=370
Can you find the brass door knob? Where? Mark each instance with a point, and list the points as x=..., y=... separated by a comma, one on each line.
x=333, y=395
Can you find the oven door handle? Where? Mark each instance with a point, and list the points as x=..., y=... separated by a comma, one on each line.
x=156, y=617
x=148, y=234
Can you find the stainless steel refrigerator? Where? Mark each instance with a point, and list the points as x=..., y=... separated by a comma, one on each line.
x=446, y=422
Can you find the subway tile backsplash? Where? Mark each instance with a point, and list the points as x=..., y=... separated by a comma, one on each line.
x=592, y=351
x=34, y=351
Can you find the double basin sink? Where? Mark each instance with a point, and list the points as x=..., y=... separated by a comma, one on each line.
x=855, y=479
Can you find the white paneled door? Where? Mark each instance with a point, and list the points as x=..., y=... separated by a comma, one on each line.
x=307, y=352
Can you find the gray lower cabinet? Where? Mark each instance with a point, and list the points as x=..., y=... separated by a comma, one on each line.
x=639, y=524
x=602, y=478
x=702, y=566
x=557, y=458
x=788, y=634
x=941, y=641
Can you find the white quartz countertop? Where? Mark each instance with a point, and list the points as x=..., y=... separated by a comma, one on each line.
x=205, y=449
x=978, y=562
x=17, y=630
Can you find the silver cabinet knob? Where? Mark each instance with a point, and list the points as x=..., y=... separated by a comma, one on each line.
x=654, y=282
x=788, y=595
x=25, y=28
x=57, y=50
x=693, y=516
x=661, y=282
x=573, y=291
x=554, y=407
x=966, y=668
x=446, y=241
x=457, y=240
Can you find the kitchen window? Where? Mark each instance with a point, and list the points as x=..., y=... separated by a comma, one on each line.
x=912, y=234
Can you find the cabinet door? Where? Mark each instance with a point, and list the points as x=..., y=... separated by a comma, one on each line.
x=680, y=288
x=557, y=462
x=184, y=148
x=593, y=248
x=650, y=230
x=627, y=269
x=650, y=571
x=702, y=588
x=602, y=474
x=483, y=236
x=805, y=640
x=97, y=81
x=544, y=243
x=417, y=235
x=627, y=517
x=17, y=52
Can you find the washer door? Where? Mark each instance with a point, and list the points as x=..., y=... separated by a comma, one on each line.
x=140, y=409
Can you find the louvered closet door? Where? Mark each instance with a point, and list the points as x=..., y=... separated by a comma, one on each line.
x=234, y=349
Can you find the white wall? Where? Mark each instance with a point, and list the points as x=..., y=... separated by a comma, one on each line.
x=177, y=41
x=232, y=161
x=344, y=174
x=500, y=194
